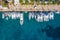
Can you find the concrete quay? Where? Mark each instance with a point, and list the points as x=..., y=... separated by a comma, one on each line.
x=31, y=8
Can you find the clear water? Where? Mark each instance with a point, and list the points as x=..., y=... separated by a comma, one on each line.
x=30, y=30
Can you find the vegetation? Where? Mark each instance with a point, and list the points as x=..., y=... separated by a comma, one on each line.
x=32, y=2
x=42, y=3
x=4, y=4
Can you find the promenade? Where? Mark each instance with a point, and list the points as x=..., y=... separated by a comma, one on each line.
x=17, y=6
x=31, y=8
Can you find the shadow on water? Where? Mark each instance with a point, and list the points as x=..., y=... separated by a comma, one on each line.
x=52, y=32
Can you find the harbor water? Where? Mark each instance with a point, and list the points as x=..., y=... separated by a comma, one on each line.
x=30, y=30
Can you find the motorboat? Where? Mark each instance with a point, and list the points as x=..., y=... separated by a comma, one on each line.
x=7, y=18
x=46, y=17
x=39, y=18
x=35, y=16
x=51, y=15
x=13, y=16
x=30, y=15
x=21, y=19
x=3, y=16
x=18, y=15
x=57, y=12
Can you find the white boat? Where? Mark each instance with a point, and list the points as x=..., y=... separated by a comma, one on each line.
x=40, y=18
x=30, y=15
x=13, y=16
x=3, y=16
x=46, y=17
x=21, y=19
x=7, y=18
x=57, y=12
x=9, y=15
x=18, y=15
x=51, y=15
x=35, y=17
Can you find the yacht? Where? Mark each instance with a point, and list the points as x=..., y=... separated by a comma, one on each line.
x=46, y=17
x=30, y=15
x=40, y=18
x=51, y=15
x=35, y=16
x=3, y=16
x=7, y=18
x=57, y=12
x=18, y=15
x=21, y=19
x=13, y=16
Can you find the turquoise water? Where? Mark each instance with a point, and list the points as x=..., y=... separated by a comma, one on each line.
x=30, y=30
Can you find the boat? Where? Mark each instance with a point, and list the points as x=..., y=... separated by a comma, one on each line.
x=7, y=18
x=21, y=19
x=35, y=16
x=30, y=14
x=40, y=18
x=51, y=15
x=46, y=17
x=18, y=15
x=13, y=16
x=2, y=16
x=57, y=12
